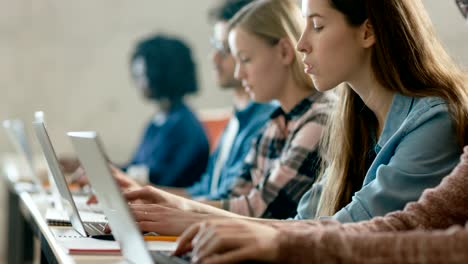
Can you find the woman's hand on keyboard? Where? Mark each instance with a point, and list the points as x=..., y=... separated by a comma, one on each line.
x=229, y=241
x=165, y=220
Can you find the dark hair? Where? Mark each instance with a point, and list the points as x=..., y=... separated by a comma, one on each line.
x=170, y=68
x=227, y=10
x=354, y=11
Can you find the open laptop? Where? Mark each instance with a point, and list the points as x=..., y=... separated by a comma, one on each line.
x=115, y=207
x=92, y=227
x=15, y=131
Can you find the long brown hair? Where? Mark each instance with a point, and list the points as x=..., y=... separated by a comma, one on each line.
x=407, y=58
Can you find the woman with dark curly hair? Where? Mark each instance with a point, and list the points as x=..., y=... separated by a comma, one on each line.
x=174, y=146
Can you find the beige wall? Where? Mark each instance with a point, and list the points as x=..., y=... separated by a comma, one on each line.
x=69, y=58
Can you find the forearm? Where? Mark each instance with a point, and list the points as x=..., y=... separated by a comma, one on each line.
x=182, y=192
x=320, y=246
x=206, y=207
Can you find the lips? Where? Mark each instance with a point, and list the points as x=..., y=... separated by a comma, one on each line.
x=309, y=68
x=247, y=87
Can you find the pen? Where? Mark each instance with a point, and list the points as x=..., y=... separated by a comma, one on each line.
x=161, y=238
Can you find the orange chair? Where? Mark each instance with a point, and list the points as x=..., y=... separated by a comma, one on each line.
x=214, y=122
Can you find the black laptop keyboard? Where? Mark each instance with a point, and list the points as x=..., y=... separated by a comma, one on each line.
x=164, y=257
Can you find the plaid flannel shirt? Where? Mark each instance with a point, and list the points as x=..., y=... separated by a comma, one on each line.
x=283, y=162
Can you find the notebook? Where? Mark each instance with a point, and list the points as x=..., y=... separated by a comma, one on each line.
x=87, y=246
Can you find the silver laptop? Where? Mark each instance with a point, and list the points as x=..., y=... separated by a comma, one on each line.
x=16, y=133
x=121, y=221
x=83, y=228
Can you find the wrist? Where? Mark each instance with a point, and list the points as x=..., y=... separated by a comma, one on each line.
x=284, y=245
x=190, y=206
x=274, y=253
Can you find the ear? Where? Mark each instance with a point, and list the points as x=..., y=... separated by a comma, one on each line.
x=367, y=35
x=287, y=51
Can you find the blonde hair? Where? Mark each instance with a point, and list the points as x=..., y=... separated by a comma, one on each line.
x=407, y=58
x=273, y=20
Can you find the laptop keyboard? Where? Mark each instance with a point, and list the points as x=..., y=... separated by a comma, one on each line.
x=94, y=228
x=164, y=257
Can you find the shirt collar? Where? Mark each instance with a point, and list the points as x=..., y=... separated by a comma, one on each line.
x=399, y=110
x=298, y=110
x=161, y=117
x=246, y=114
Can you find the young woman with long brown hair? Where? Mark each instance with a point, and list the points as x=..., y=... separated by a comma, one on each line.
x=403, y=112
x=399, y=127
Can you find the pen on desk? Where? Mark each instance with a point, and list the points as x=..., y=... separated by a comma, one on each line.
x=161, y=238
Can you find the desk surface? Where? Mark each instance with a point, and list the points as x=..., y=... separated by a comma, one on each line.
x=52, y=247
x=31, y=210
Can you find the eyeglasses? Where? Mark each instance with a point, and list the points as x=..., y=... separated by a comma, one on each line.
x=220, y=46
x=463, y=6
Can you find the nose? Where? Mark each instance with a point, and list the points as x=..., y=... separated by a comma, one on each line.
x=302, y=45
x=238, y=72
x=216, y=57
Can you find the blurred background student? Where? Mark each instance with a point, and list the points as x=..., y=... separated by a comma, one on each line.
x=246, y=122
x=174, y=149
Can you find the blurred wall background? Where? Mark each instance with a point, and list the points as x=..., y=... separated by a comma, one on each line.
x=70, y=59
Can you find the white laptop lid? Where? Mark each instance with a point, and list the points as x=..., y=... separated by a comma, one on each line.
x=66, y=200
x=17, y=135
x=55, y=195
x=121, y=221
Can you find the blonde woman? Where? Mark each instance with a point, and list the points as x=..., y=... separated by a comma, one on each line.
x=283, y=162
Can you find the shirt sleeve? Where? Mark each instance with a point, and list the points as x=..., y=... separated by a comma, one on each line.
x=308, y=205
x=421, y=159
x=279, y=194
x=202, y=187
x=230, y=176
x=388, y=239
x=243, y=182
x=389, y=247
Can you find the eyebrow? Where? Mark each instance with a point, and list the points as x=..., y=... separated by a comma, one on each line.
x=240, y=53
x=312, y=15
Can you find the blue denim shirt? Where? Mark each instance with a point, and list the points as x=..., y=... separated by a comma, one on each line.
x=251, y=120
x=416, y=149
